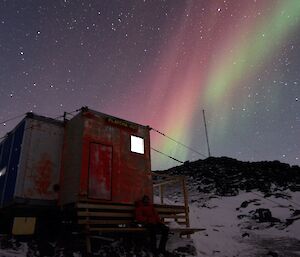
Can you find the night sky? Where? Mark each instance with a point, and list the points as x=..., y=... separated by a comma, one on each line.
x=160, y=63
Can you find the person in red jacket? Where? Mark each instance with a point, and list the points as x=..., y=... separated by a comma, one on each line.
x=146, y=215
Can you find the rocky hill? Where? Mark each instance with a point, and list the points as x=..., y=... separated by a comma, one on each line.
x=249, y=209
x=227, y=176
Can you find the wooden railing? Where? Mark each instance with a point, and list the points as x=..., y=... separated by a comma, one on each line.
x=173, y=180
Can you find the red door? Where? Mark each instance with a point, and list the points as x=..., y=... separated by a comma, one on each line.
x=100, y=171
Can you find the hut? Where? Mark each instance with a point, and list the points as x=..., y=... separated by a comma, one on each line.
x=88, y=170
x=95, y=156
x=104, y=159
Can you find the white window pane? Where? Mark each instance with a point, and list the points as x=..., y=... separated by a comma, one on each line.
x=137, y=145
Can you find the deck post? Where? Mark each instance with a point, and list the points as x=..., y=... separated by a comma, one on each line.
x=161, y=189
x=87, y=231
x=88, y=244
x=186, y=202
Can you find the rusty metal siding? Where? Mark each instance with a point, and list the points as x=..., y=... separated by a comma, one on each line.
x=136, y=166
x=131, y=172
x=134, y=169
x=128, y=173
x=71, y=161
x=40, y=160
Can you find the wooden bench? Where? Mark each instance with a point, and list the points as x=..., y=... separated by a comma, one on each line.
x=119, y=218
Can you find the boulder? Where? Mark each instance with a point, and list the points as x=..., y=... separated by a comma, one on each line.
x=264, y=215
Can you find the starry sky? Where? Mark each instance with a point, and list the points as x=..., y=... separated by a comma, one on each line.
x=160, y=63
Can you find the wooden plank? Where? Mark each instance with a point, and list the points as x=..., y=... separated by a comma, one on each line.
x=97, y=202
x=181, y=222
x=84, y=199
x=105, y=214
x=105, y=206
x=90, y=208
x=163, y=210
x=119, y=229
x=166, y=182
x=126, y=215
x=116, y=222
x=186, y=229
x=125, y=207
x=174, y=230
x=172, y=216
x=165, y=206
x=104, y=222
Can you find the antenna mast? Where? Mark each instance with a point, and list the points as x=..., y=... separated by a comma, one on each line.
x=208, y=148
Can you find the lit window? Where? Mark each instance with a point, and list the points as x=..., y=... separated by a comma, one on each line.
x=3, y=171
x=137, y=145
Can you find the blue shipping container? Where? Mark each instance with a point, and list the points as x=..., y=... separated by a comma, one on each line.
x=30, y=159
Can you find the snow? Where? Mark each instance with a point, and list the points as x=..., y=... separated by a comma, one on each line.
x=21, y=251
x=224, y=230
x=221, y=225
x=230, y=228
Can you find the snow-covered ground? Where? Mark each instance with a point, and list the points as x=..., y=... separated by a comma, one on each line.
x=230, y=230
x=230, y=227
x=20, y=251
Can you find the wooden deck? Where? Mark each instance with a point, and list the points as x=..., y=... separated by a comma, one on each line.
x=119, y=218
x=98, y=217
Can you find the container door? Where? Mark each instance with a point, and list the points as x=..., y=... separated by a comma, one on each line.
x=100, y=171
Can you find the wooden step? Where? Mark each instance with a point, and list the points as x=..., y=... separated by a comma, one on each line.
x=183, y=231
x=105, y=214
